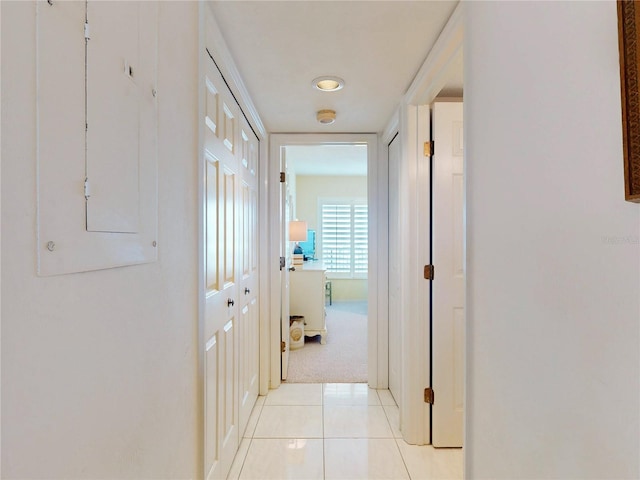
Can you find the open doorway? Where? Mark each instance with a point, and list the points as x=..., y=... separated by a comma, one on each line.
x=364, y=296
x=328, y=291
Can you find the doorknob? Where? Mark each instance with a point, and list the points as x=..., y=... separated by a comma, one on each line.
x=292, y=269
x=230, y=303
x=246, y=291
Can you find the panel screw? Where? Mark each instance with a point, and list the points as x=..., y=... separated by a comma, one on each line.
x=51, y=246
x=154, y=243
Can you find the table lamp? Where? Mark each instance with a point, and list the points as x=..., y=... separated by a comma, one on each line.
x=297, y=233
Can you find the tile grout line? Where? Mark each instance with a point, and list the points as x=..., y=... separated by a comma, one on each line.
x=245, y=458
x=324, y=447
x=404, y=462
x=250, y=440
x=395, y=440
x=253, y=433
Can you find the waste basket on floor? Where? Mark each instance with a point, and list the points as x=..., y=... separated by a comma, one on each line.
x=296, y=331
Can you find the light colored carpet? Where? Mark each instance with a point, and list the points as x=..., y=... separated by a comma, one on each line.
x=343, y=359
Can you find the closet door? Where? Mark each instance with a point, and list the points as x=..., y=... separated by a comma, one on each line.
x=249, y=328
x=222, y=207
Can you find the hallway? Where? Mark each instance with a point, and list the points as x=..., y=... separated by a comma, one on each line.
x=334, y=431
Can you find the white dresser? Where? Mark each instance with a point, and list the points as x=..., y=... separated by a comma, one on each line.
x=306, y=298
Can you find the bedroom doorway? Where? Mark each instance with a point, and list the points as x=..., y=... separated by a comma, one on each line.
x=338, y=201
x=327, y=185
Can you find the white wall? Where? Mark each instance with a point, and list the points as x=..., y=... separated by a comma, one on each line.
x=100, y=369
x=311, y=187
x=553, y=253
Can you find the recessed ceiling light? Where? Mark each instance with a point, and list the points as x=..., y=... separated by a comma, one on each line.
x=326, y=117
x=328, y=84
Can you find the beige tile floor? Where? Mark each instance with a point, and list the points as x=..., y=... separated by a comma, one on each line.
x=334, y=431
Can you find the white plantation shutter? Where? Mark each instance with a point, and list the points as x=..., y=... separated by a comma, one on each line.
x=360, y=239
x=344, y=237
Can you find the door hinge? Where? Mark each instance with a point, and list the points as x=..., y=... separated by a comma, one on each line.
x=429, y=271
x=428, y=395
x=86, y=32
x=283, y=262
x=282, y=177
x=429, y=148
x=283, y=346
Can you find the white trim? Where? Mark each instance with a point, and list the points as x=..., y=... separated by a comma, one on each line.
x=391, y=130
x=412, y=336
x=389, y=133
x=436, y=69
x=378, y=275
x=217, y=46
x=277, y=142
x=422, y=300
x=201, y=229
x=264, y=188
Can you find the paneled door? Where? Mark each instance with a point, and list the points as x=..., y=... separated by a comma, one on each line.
x=223, y=277
x=248, y=325
x=395, y=278
x=448, y=285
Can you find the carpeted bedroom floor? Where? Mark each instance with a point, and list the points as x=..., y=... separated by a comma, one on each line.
x=343, y=359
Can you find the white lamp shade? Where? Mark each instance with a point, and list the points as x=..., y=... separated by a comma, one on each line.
x=298, y=231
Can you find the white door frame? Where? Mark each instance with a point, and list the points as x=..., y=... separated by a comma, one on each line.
x=377, y=297
x=432, y=76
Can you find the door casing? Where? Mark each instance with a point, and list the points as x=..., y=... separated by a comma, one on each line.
x=377, y=311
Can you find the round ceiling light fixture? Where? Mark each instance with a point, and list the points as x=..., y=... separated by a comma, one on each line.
x=328, y=83
x=326, y=117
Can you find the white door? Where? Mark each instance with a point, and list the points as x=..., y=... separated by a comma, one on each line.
x=222, y=300
x=285, y=215
x=448, y=284
x=248, y=326
x=395, y=379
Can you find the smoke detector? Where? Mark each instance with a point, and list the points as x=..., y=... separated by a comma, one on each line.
x=326, y=117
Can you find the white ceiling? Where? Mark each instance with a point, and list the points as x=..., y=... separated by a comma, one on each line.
x=377, y=47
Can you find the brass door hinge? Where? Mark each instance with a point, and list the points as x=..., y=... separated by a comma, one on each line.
x=282, y=177
x=429, y=271
x=283, y=346
x=429, y=147
x=428, y=395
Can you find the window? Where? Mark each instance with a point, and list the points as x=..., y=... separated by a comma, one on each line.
x=344, y=237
